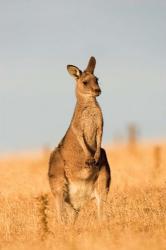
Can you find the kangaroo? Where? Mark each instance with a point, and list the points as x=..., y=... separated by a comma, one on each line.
x=78, y=167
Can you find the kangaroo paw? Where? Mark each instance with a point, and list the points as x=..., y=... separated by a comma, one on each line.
x=90, y=162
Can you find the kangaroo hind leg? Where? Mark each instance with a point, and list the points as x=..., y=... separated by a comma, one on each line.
x=102, y=184
x=57, y=183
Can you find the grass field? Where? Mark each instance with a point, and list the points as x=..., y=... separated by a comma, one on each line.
x=135, y=211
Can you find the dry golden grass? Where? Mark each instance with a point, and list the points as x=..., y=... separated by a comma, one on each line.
x=135, y=211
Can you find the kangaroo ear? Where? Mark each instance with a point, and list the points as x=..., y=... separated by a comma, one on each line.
x=91, y=65
x=74, y=71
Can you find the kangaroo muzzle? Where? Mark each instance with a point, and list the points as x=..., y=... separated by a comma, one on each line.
x=97, y=91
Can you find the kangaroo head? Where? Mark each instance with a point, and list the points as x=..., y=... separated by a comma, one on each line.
x=87, y=82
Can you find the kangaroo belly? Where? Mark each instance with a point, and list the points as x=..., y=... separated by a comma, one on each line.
x=80, y=185
x=80, y=192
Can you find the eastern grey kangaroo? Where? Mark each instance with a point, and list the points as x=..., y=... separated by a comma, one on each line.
x=78, y=167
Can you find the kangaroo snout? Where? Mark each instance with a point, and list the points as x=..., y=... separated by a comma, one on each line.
x=97, y=91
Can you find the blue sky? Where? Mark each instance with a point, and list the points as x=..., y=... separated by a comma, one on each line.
x=39, y=38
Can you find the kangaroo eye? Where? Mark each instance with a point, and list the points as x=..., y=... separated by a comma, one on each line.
x=85, y=82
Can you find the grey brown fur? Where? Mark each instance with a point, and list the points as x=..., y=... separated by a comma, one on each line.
x=78, y=167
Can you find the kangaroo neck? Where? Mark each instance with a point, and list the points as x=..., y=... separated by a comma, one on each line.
x=86, y=100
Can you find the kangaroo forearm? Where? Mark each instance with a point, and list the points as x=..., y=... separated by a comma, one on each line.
x=98, y=148
x=81, y=141
x=98, y=139
x=83, y=145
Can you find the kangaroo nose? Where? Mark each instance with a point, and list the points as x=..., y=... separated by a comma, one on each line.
x=97, y=90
